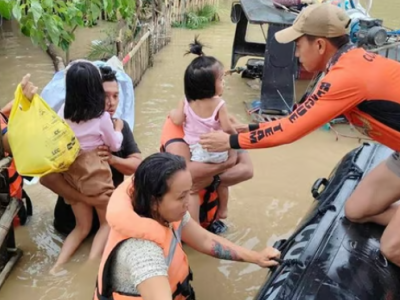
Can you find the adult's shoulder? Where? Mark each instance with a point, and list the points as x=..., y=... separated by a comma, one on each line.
x=126, y=128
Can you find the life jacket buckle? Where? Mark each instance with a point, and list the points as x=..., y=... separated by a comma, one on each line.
x=215, y=184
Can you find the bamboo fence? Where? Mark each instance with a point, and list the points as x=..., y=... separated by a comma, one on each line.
x=152, y=39
x=138, y=56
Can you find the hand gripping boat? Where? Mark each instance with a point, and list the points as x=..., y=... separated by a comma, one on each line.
x=329, y=257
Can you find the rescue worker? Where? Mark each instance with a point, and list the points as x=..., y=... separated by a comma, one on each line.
x=362, y=86
x=146, y=259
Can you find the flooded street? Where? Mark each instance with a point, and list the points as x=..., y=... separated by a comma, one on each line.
x=262, y=210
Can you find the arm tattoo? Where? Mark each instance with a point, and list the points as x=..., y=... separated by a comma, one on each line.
x=224, y=252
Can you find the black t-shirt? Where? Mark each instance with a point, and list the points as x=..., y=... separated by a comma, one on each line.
x=128, y=147
x=64, y=219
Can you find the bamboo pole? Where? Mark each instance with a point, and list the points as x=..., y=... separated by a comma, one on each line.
x=136, y=48
x=140, y=57
x=17, y=253
x=6, y=220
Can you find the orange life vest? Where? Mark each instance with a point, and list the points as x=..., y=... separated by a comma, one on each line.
x=209, y=201
x=15, y=180
x=169, y=239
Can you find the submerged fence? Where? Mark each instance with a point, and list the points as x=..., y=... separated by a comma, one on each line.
x=158, y=34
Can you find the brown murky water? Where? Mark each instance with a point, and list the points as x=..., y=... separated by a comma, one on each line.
x=262, y=210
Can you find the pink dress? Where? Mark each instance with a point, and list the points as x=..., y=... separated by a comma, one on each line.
x=89, y=174
x=95, y=132
x=194, y=127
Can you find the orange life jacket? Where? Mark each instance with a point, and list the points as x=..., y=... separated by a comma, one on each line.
x=209, y=201
x=15, y=180
x=168, y=239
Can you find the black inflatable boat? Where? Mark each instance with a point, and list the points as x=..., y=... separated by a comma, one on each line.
x=328, y=257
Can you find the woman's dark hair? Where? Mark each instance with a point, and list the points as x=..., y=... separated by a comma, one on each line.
x=85, y=97
x=337, y=42
x=151, y=181
x=108, y=74
x=201, y=74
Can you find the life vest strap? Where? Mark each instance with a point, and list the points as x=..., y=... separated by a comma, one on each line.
x=13, y=178
x=185, y=289
x=206, y=206
x=164, y=147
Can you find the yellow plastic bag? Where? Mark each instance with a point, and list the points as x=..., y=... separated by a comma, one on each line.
x=40, y=141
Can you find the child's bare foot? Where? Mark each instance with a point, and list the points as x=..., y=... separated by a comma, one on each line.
x=57, y=271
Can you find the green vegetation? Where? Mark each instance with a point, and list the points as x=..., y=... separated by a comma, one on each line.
x=102, y=49
x=55, y=21
x=200, y=18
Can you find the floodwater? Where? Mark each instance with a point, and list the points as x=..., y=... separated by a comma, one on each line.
x=261, y=211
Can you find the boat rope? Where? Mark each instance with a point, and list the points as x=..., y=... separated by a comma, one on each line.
x=288, y=262
x=283, y=263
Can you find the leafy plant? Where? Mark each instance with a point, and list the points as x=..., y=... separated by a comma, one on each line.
x=200, y=18
x=103, y=49
x=5, y=9
x=55, y=21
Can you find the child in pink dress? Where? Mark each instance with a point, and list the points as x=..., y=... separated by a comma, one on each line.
x=84, y=111
x=204, y=111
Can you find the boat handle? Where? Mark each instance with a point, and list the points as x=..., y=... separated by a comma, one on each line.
x=380, y=259
x=317, y=185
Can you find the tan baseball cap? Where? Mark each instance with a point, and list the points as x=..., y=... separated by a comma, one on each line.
x=320, y=20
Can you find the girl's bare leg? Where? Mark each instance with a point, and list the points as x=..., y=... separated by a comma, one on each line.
x=83, y=215
x=100, y=240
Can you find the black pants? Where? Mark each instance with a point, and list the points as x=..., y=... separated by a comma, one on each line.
x=64, y=219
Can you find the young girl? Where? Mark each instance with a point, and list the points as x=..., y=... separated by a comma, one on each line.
x=203, y=111
x=84, y=111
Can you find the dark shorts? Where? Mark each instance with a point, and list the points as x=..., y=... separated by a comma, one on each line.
x=393, y=163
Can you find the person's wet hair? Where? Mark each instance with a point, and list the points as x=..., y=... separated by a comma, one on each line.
x=151, y=182
x=85, y=97
x=108, y=74
x=337, y=42
x=201, y=75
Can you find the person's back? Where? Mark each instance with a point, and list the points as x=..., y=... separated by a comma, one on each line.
x=201, y=117
x=95, y=132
